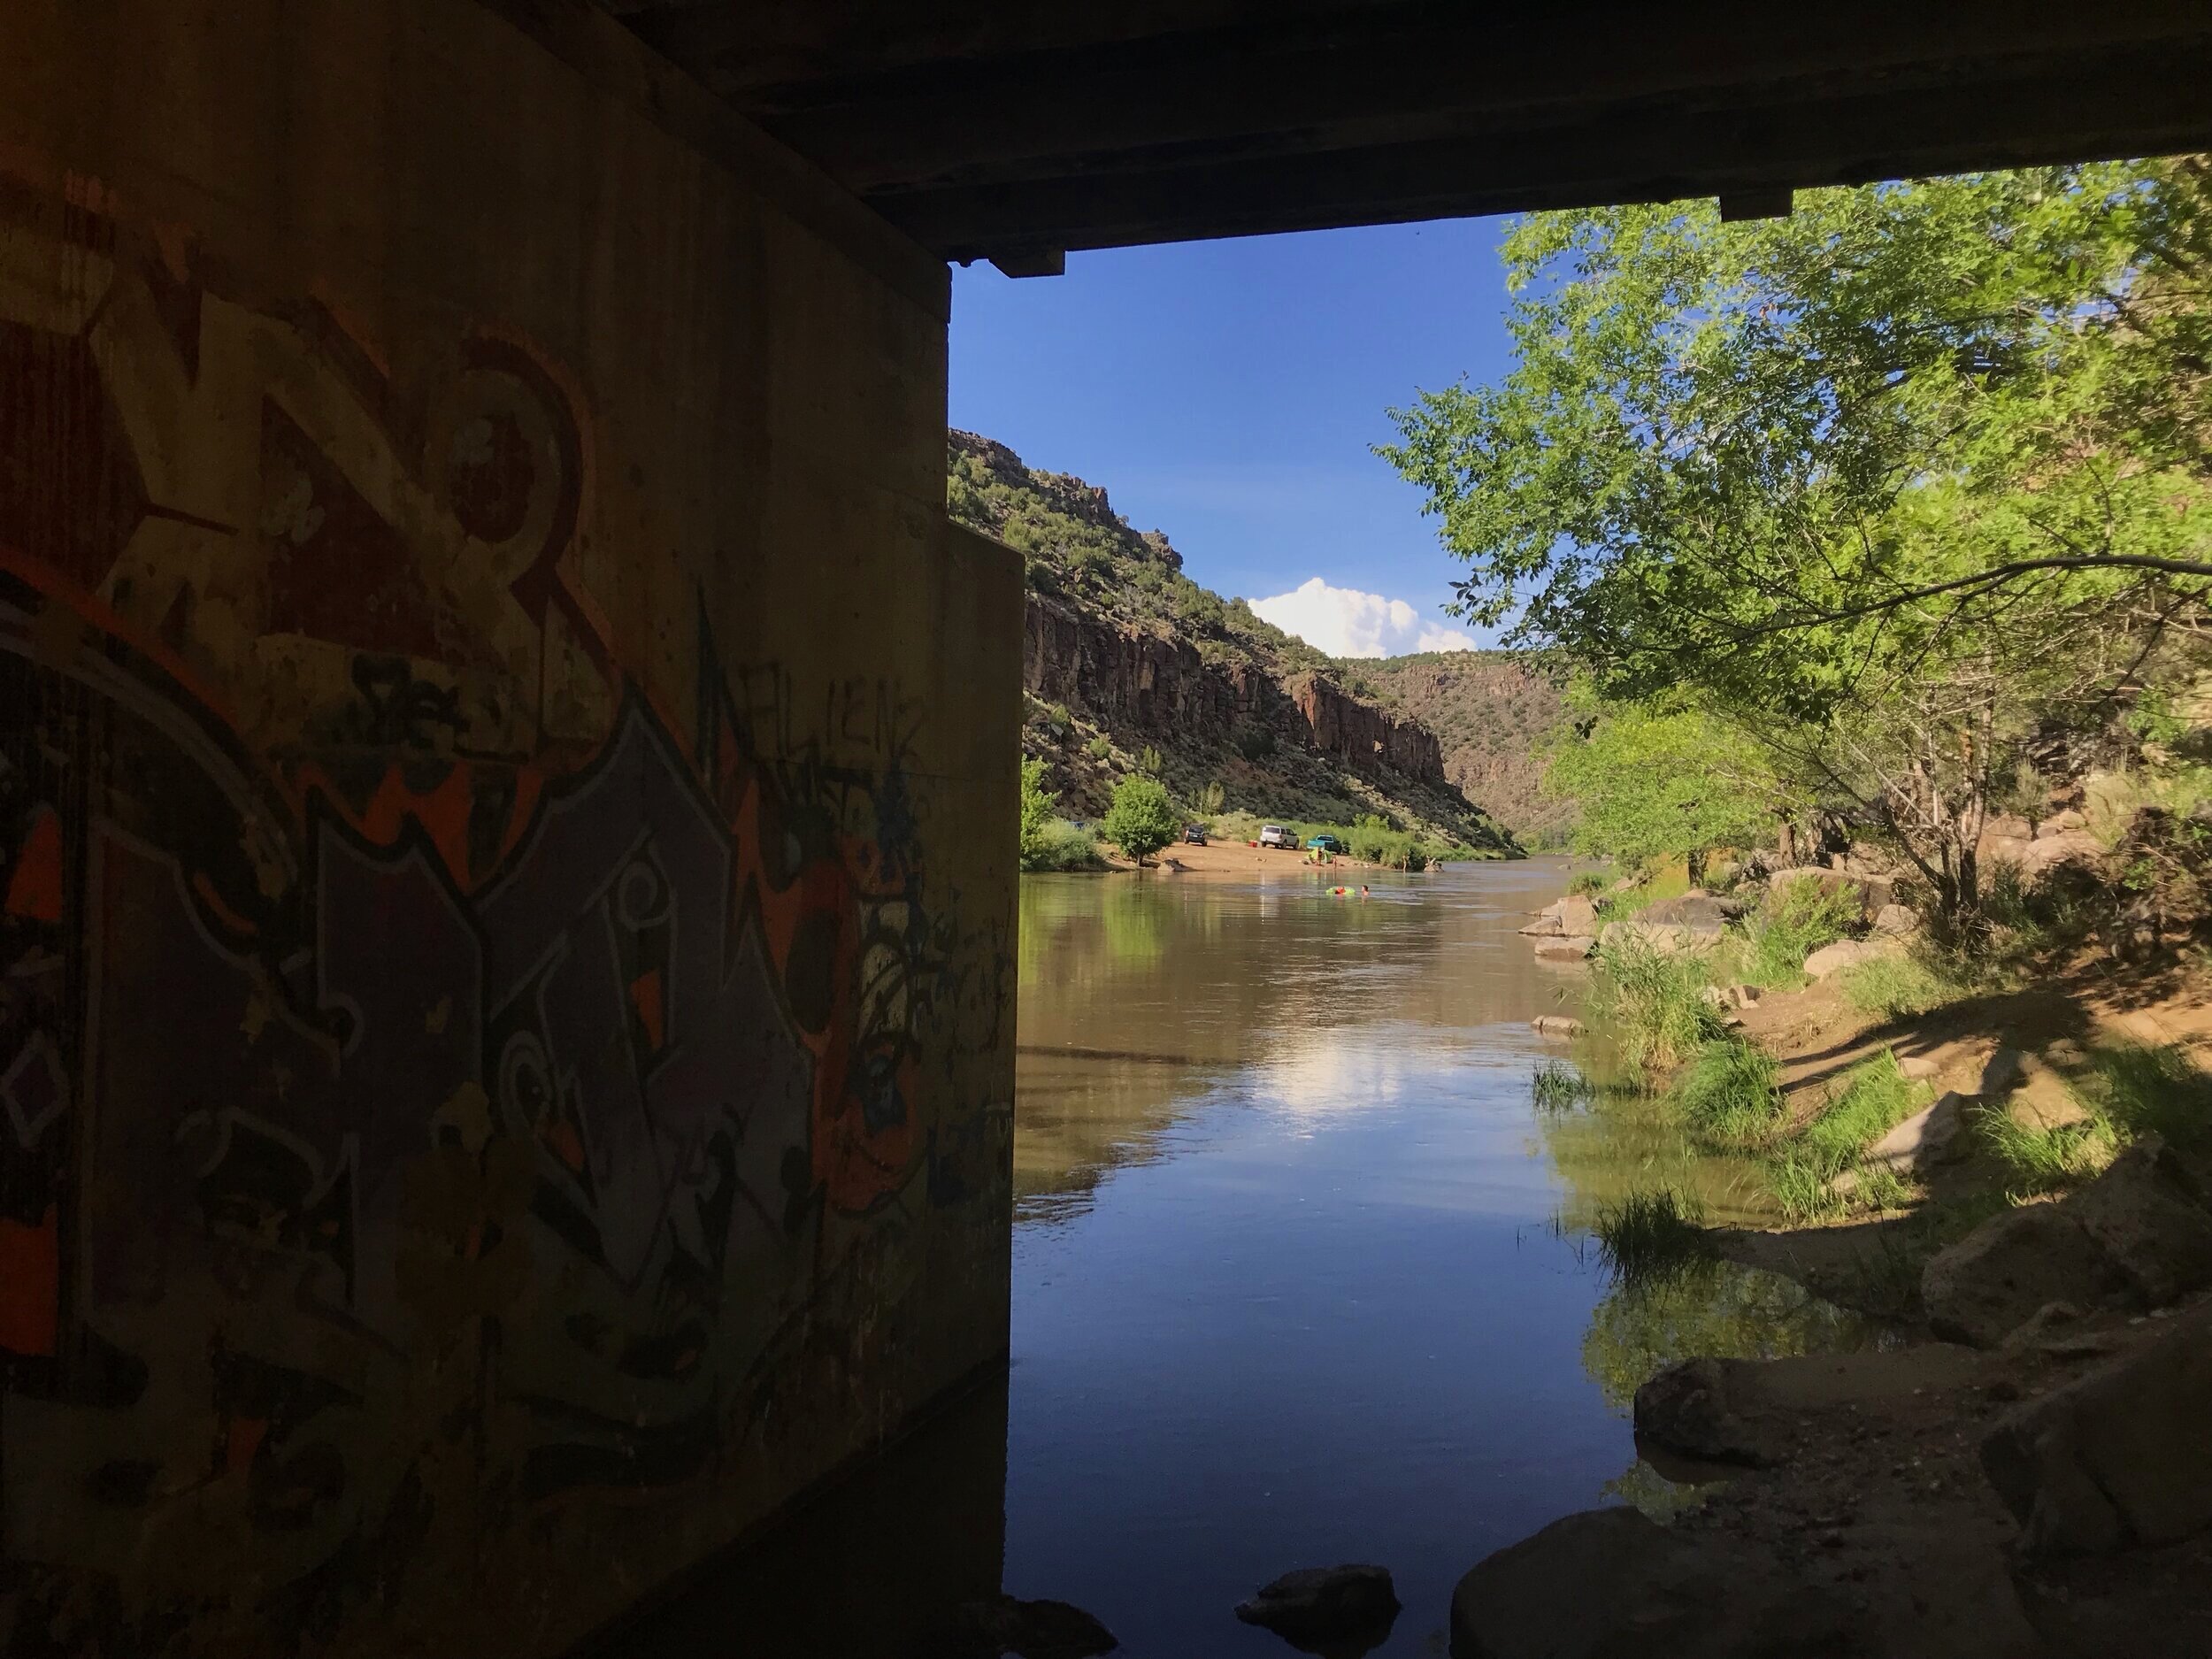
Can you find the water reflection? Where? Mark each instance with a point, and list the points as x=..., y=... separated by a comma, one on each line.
x=1290, y=1284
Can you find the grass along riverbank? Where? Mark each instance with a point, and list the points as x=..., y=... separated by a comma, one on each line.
x=2014, y=1080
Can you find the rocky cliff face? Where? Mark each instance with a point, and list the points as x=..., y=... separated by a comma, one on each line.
x=1164, y=687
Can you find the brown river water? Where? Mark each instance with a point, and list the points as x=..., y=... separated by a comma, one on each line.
x=1301, y=1276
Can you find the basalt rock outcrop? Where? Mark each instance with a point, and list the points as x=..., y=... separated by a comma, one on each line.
x=1162, y=686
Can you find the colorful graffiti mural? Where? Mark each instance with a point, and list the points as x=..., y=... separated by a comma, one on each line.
x=444, y=1071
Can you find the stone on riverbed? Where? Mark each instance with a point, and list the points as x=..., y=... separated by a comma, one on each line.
x=1556, y=1026
x=1572, y=948
x=1607, y=1583
x=1316, y=1605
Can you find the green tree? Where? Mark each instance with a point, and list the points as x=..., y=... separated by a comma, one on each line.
x=1894, y=483
x=1038, y=807
x=1141, y=819
x=1654, y=783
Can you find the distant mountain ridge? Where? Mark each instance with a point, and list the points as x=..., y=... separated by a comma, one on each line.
x=1123, y=654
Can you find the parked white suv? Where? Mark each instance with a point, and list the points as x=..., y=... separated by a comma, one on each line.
x=1274, y=835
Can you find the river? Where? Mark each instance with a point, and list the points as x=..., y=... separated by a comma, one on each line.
x=1301, y=1274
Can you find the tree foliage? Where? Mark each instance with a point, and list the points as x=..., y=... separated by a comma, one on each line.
x=1902, y=483
x=1656, y=783
x=1141, y=819
x=1038, y=807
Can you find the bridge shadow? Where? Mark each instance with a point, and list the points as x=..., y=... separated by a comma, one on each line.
x=877, y=1566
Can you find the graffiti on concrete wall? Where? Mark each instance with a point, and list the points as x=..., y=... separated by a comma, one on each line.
x=440, y=1069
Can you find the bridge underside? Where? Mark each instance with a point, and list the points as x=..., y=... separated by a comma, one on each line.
x=989, y=128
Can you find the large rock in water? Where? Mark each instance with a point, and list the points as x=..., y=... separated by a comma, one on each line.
x=1996, y=1276
x=1317, y=1606
x=2121, y=1455
x=1032, y=1629
x=1612, y=1584
x=1577, y=914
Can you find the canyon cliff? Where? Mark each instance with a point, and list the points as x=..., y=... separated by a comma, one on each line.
x=1129, y=665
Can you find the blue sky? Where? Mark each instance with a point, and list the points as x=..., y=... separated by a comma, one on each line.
x=1227, y=392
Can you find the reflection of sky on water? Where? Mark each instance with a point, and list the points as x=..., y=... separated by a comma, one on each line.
x=1289, y=1283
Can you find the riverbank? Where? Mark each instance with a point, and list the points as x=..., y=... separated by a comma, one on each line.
x=2022, y=1467
x=1247, y=863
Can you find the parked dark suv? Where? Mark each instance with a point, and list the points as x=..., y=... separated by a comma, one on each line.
x=1194, y=835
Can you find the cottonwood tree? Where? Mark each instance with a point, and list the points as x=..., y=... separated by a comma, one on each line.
x=1656, y=782
x=1891, y=484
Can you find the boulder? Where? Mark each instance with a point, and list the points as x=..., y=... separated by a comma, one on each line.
x=1571, y=949
x=2059, y=823
x=1609, y=1583
x=1896, y=921
x=1326, y=1605
x=1701, y=912
x=1577, y=914
x=1556, y=1026
x=1546, y=925
x=1847, y=953
x=2121, y=1455
x=1932, y=1135
x=1998, y=1276
x=2147, y=1214
x=2036, y=857
x=1918, y=1067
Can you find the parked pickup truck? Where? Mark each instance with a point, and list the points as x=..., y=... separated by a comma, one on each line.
x=1275, y=835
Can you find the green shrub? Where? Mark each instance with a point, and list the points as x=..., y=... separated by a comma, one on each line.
x=1897, y=988
x=1061, y=846
x=1801, y=1189
x=1149, y=762
x=1649, y=1236
x=1036, y=812
x=1100, y=747
x=1652, y=1004
x=1588, y=883
x=1727, y=1097
x=1141, y=819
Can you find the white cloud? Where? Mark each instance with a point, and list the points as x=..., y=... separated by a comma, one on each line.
x=1344, y=622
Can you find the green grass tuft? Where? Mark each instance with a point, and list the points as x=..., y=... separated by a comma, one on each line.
x=2151, y=1091
x=1728, y=1097
x=1802, y=1188
x=1649, y=1236
x=1875, y=1097
x=1783, y=934
x=2044, y=1160
x=1558, y=1088
x=1652, y=1005
x=1898, y=987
